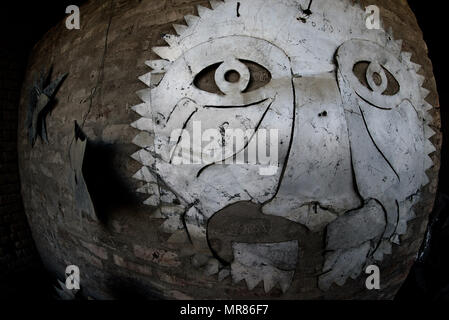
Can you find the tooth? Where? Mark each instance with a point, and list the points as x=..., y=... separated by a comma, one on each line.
x=285, y=280
x=237, y=272
x=252, y=281
x=268, y=282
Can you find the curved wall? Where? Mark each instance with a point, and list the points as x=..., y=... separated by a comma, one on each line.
x=125, y=254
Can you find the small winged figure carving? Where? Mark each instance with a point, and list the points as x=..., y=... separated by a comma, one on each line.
x=41, y=96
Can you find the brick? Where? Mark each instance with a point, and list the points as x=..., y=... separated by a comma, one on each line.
x=121, y=262
x=98, y=251
x=91, y=259
x=161, y=257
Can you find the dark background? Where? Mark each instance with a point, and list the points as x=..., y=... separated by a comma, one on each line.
x=23, y=23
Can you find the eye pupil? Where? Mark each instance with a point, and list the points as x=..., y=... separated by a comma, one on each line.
x=377, y=78
x=232, y=76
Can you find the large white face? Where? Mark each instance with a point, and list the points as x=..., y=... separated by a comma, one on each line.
x=342, y=110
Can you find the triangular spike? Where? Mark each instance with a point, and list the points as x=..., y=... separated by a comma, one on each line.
x=428, y=163
x=149, y=188
x=191, y=19
x=412, y=214
x=156, y=78
x=394, y=46
x=180, y=28
x=428, y=132
x=395, y=239
x=144, y=124
x=144, y=175
x=427, y=106
x=143, y=109
x=166, y=53
x=171, y=39
x=401, y=227
x=415, y=66
x=424, y=92
x=202, y=11
x=180, y=237
x=144, y=94
x=158, y=66
x=429, y=147
x=167, y=196
x=214, y=4
x=152, y=201
x=427, y=117
x=144, y=140
x=146, y=79
x=421, y=79
x=172, y=224
x=425, y=179
x=406, y=56
x=144, y=157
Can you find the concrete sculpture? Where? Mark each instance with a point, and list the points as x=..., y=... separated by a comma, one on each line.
x=351, y=123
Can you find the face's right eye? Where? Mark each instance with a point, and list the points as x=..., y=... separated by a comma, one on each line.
x=246, y=76
x=376, y=78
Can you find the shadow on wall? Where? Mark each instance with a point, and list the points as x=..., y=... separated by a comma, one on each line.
x=125, y=288
x=108, y=190
x=429, y=279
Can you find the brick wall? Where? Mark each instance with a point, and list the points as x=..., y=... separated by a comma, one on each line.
x=17, y=250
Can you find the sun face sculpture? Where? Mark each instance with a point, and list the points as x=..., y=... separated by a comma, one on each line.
x=350, y=128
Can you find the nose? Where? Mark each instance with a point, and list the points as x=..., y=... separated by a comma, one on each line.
x=319, y=172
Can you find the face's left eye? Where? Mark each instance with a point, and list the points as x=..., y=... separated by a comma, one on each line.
x=232, y=76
